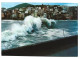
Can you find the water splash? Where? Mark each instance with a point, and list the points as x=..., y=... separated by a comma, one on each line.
x=30, y=24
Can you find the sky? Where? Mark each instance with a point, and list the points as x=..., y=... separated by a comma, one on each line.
x=12, y=4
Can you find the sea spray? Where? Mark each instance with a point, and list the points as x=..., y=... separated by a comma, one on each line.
x=49, y=23
x=30, y=23
x=18, y=30
x=7, y=35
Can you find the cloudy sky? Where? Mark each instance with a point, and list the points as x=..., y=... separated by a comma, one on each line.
x=12, y=4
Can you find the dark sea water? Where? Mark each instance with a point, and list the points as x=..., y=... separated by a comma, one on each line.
x=61, y=29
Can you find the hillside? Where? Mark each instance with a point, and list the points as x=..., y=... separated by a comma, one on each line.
x=21, y=5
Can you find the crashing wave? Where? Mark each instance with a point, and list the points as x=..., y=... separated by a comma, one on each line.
x=49, y=23
x=30, y=24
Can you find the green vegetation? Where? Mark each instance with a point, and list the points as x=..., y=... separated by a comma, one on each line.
x=21, y=5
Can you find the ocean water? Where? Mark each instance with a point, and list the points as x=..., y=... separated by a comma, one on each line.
x=61, y=29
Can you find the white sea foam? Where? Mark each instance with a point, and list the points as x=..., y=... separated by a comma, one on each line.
x=56, y=32
x=18, y=30
x=30, y=23
x=7, y=35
